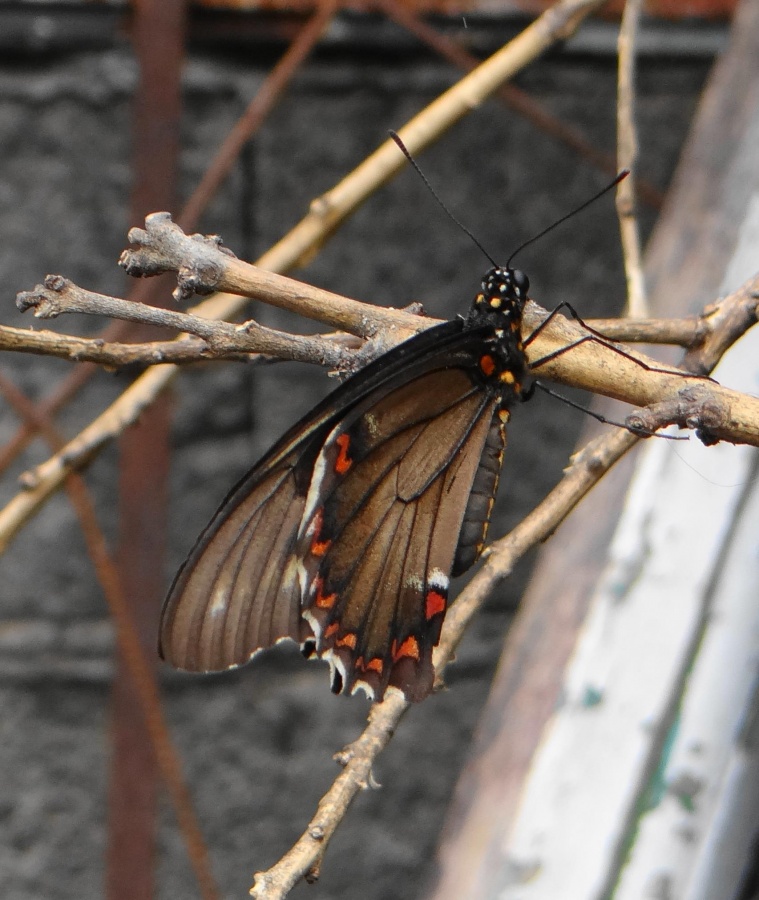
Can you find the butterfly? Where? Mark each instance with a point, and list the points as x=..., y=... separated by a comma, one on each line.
x=345, y=535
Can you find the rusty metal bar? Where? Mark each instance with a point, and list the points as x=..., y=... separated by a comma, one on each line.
x=158, y=38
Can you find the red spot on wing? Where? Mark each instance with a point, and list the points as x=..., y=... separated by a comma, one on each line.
x=487, y=364
x=375, y=665
x=323, y=601
x=343, y=461
x=318, y=546
x=434, y=604
x=409, y=648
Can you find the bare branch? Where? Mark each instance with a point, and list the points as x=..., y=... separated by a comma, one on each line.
x=515, y=98
x=627, y=153
x=141, y=671
x=108, y=353
x=203, y=266
x=58, y=295
x=640, y=380
x=690, y=332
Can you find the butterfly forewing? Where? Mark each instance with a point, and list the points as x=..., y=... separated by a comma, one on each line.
x=236, y=593
x=233, y=595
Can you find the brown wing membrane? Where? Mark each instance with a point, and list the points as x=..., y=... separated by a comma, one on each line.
x=382, y=523
x=234, y=595
x=343, y=537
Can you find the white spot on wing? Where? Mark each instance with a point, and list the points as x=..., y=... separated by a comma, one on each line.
x=315, y=626
x=317, y=480
x=438, y=579
x=218, y=603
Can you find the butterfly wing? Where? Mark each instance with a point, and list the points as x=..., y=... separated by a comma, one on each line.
x=363, y=499
x=381, y=528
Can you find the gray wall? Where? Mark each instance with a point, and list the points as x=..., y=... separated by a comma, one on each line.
x=257, y=744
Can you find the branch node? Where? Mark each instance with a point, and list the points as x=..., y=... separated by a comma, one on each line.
x=312, y=874
x=694, y=407
x=316, y=832
x=344, y=756
x=199, y=260
x=43, y=299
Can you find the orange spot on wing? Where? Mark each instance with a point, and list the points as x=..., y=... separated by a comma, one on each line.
x=434, y=604
x=374, y=665
x=347, y=640
x=323, y=601
x=487, y=364
x=409, y=648
x=343, y=461
x=319, y=547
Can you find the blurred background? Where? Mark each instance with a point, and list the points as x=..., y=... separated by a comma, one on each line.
x=87, y=147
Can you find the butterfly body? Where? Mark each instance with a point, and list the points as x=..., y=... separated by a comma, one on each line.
x=345, y=535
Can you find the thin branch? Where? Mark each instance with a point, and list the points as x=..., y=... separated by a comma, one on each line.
x=627, y=154
x=686, y=333
x=515, y=98
x=248, y=123
x=203, y=266
x=557, y=23
x=586, y=469
x=256, y=112
x=591, y=365
x=111, y=354
x=59, y=295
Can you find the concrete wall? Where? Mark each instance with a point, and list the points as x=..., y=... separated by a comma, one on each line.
x=257, y=744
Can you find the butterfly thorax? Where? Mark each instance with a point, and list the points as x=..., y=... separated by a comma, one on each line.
x=499, y=306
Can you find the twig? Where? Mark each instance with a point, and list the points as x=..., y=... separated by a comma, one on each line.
x=627, y=153
x=203, y=266
x=557, y=23
x=59, y=295
x=591, y=365
x=259, y=107
x=515, y=98
x=689, y=332
x=586, y=469
x=271, y=88
x=634, y=378
x=111, y=354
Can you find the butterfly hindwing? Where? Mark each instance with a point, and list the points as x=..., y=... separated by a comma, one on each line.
x=381, y=528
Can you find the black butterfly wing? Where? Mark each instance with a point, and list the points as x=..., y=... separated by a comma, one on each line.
x=382, y=524
x=418, y=419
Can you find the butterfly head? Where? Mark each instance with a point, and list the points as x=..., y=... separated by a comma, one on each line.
x=503, y=291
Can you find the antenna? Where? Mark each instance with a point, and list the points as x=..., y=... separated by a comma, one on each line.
x=431, y=189
x=622, y=175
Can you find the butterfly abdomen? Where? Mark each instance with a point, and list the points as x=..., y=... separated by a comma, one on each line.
x=482, y=498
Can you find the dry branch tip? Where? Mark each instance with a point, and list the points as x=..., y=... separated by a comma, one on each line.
x=162, y=246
